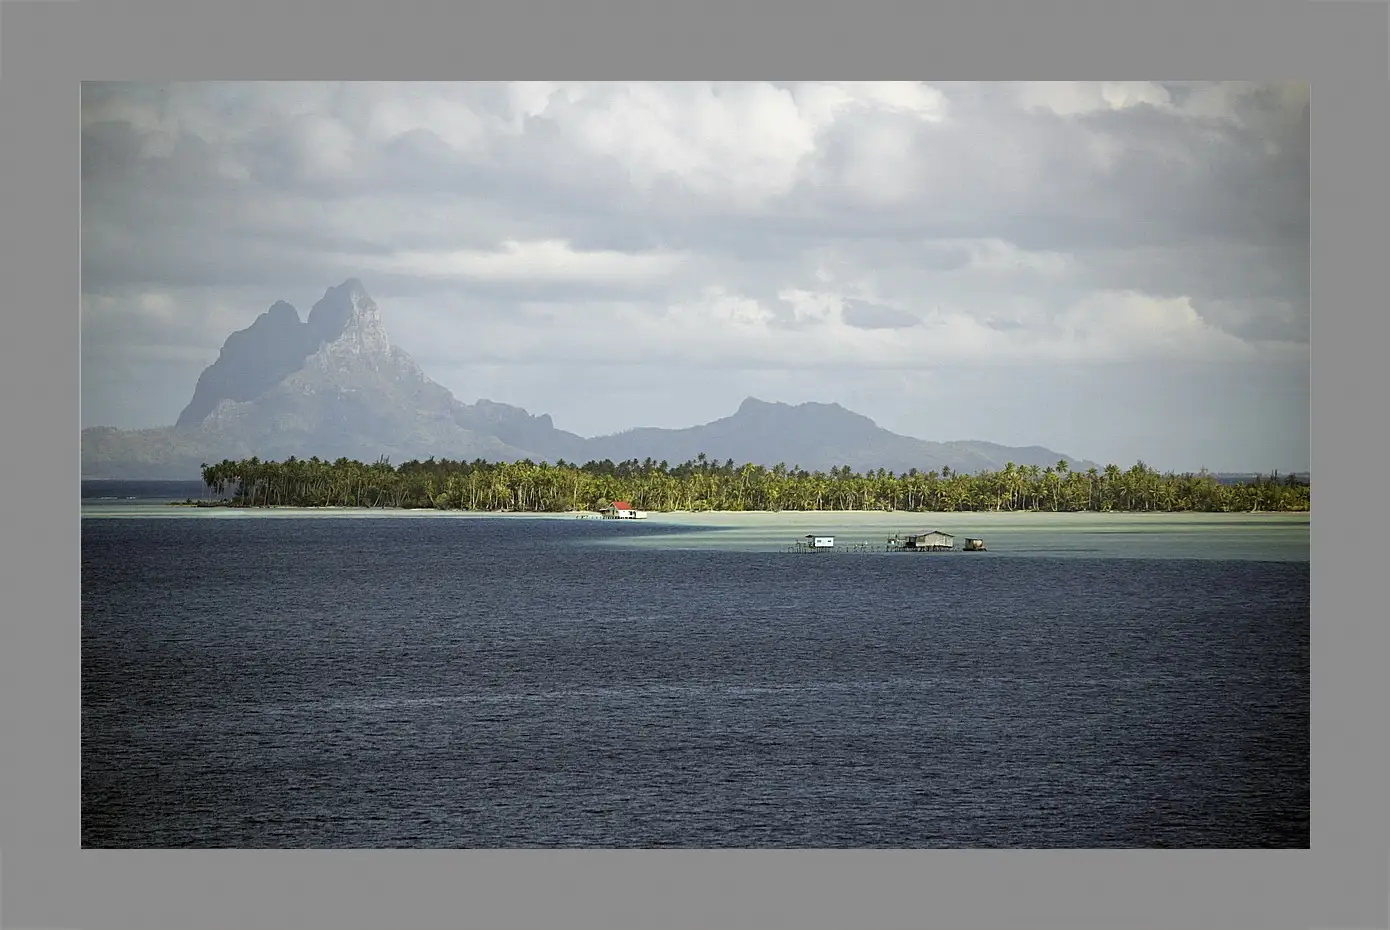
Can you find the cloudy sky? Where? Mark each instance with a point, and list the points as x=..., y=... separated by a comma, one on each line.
x=1117, y=271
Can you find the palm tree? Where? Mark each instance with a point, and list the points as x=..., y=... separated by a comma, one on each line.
x=527, y=486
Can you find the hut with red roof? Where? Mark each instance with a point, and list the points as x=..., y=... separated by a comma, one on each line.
x=622, y=510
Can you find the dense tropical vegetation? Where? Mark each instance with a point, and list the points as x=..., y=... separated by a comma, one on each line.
x=706, y=485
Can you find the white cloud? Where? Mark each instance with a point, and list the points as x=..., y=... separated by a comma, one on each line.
x=721, y=308
x=811, y=306
x=822, y=104
x=1116, y=326
x=530, y=99
x=1074, y=98
x=997, y=255
x=718, y=328
x=327, y=149
x=742, y=142
x=548, y=260
x=386, y=115
x=1225, y=101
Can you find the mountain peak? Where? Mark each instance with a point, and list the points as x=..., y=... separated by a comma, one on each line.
x=346, y=322
x=251, y=361
x=345, y=299
x=347, y=313
x=752, y=404
x=281, y=312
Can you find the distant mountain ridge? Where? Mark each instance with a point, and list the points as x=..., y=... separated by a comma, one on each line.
x=334, y=385
x=816, y=437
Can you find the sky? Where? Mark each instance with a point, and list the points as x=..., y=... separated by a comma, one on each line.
x=1117, y=271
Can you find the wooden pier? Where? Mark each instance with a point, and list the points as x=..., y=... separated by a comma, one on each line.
x=831, y=547
x=934, y=541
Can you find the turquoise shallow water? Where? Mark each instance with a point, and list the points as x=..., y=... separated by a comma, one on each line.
x=1256, y=537
x=1260, y=537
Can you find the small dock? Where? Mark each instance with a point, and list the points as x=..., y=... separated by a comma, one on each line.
x=845, y=547
x=934, y=541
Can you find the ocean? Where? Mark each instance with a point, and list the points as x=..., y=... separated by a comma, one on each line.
x=292, y=679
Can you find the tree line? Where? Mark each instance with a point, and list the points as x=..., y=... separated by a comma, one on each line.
x=702, y=484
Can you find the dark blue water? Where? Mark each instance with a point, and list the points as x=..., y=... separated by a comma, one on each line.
x=480, y=683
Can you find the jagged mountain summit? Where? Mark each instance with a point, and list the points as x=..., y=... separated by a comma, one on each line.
x=331, y=385
x=344, y=327
x=334, y=385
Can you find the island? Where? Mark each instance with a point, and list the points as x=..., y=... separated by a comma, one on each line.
x=704, y=485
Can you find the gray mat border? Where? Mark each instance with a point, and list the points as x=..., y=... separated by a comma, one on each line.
x=48, y=46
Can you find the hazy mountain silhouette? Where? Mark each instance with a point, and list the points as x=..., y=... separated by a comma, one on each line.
x=816, y=437
x=333, y=385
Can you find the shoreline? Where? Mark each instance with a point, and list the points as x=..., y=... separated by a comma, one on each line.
x=594, y=513
x=659, y=515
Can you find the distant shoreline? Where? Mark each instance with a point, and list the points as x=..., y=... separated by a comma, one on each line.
x=703, y=486
x=595, y=515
